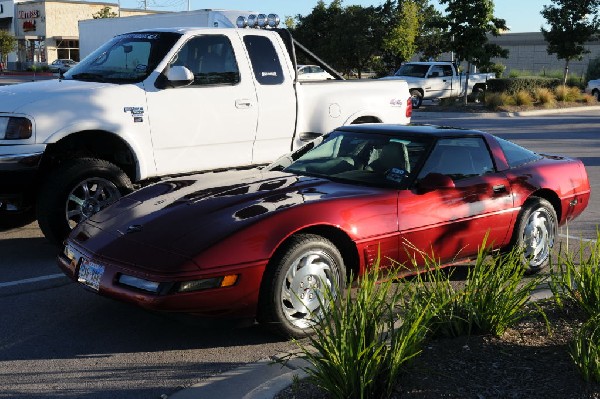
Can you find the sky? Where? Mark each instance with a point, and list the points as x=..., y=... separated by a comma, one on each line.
x=520, y=15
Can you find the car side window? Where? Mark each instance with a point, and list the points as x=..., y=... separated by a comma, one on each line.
x=211, y=59
x=264, y=59
x=459, y=158
x=447, y=70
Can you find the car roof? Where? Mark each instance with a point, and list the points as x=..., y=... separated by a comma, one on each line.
x=411, y=129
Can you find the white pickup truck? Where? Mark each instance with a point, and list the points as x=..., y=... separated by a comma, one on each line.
x=153, y=103
x=434, y=80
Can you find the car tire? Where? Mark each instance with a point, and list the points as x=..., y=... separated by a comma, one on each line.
x=535, y=233
x=596, y=93
x=294, y=281
x=417, y=98
x=75, y=191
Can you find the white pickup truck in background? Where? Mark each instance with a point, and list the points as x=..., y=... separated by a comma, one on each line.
x=593, y=88
x=435, y=80
x=161, y=102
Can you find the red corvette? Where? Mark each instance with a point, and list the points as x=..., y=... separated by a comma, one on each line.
x=264, y=243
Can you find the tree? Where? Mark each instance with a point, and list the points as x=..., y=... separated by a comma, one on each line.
x=105, y=12
x=468, y=24
x=401, y=40
x=572, y=23
x=8, y=44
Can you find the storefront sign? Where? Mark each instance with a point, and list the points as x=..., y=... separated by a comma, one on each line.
x=30, y=14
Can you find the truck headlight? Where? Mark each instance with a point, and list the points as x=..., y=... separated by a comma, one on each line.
x=15, y=128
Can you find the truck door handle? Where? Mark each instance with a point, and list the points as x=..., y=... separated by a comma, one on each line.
x=499, y=188
x=243, y=103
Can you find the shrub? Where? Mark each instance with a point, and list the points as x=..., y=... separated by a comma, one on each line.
x=589, y=99
x=494, y=101
x=523, y=97
x=567, y=94
x=545, y=97
x=585, y=349
x=361, y=345
x=515, y=85
x=577, y=281
x=498, y=69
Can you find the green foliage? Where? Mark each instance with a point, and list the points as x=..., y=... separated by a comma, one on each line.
x=572, y=23
x=105, y=12
x=585, y=349
x=578, y=279
x=498, y=69
x=494, y=296
x=361, y=345
x=512, y=86
x=401, y=39
x=593, y=70
x=8, y=44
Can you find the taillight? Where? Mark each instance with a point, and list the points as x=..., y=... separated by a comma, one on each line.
x=409, y=107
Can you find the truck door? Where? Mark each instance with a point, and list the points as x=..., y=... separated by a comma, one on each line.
x=439, y=80
x=211, y=123
x=276, y=96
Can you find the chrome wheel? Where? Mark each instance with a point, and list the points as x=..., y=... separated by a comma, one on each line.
x=538, y=237
x=309, y=276
x=89, y=197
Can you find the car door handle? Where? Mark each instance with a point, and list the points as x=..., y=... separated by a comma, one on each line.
x=243, y=103
x=499, y=188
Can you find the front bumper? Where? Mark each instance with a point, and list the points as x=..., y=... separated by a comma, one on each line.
x=237, y=301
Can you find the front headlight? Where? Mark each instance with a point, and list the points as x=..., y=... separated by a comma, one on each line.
x=15, y=128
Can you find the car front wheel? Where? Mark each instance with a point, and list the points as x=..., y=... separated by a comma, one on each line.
x=535, y=233
x=75, y=191
x=295, y=282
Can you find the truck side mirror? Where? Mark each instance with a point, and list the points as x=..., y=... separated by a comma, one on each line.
x=175, y=76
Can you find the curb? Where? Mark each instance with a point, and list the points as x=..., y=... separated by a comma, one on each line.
x=475, y=115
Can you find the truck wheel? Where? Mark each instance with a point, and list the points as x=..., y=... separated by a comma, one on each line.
x=417, y=98
x=75, y=191
x=294, y=283
x=596, y=93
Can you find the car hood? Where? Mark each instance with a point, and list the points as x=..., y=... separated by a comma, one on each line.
x=186, y=215
x=25, y=97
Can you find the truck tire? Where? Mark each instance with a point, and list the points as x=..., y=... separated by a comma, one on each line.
x=596, y=93
x=75, y=191
x=417, y=98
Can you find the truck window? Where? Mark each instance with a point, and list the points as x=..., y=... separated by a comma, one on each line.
x=211, y=59
x=447, y=70
x=264, y=59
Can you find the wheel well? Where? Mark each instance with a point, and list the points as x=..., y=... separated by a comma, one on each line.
x=343, y=243
x=93, y=144
x=366, y=119
x=552, y=198
x=416, y=89
x=479, y=86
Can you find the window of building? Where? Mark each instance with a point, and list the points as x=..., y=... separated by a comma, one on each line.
x=67, y=49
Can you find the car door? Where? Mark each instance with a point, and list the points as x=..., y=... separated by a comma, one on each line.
x=452, y=220
x=438, y=82
x=212, y=122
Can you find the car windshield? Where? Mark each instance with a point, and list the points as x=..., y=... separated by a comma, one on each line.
x=127, y=58
x=359, y=158
x=414, y=70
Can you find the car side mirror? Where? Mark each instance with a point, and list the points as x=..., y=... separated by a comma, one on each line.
x=436, y=181
x=175, y=76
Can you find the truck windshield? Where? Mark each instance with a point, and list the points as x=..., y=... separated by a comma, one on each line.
x=414, y=70
x=127, y=58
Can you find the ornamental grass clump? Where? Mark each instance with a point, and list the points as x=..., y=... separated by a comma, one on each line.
x=585, y=349
x=545, y=97
x=576, y=278
x=567, y=94
x=362, y=344
x=494, y=296
x=523, y=97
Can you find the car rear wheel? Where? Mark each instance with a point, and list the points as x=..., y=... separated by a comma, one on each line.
x=535, y=233
x=416, y=97
x=75, y=191
x=596, y=93
x=294, y=284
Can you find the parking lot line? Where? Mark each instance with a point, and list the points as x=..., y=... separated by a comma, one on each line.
x=31, y=280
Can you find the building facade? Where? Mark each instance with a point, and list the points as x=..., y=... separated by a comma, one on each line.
x=48, y=29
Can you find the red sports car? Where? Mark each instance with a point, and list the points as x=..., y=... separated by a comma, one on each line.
x=265, y=242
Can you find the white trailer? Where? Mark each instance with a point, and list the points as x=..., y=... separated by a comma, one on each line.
x=95, y=32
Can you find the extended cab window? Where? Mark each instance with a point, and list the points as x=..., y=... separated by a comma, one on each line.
x=264, y=59
x=211, y=59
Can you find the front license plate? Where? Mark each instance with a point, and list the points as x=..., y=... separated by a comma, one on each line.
x=90, y=274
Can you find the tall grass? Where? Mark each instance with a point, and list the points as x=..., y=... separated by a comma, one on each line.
x=361, y=345
x=585, y=349
x=577, y=280
x=523, y=97
x=545, y=97
x=494, y=296
x=567, y=94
